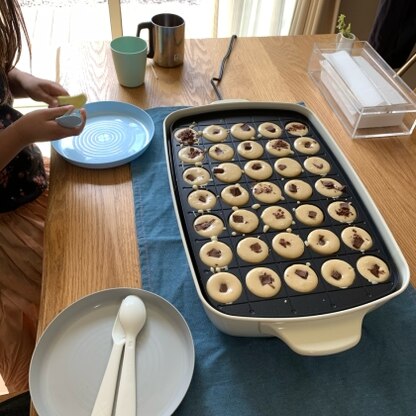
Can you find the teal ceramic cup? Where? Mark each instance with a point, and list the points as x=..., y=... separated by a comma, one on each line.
x=129, y=57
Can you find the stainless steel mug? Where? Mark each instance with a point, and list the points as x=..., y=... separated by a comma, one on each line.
x=166, y=39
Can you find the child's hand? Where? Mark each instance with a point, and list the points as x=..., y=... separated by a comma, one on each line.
x=40, y=125
x=24, y=84
x=37, y=126
x=43, y=90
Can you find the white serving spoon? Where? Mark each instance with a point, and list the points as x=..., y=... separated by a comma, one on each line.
x=132, y=318
x=104, y=402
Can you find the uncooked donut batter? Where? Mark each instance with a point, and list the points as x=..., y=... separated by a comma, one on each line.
x=296, y=129
x=298, y=189
x=373, y=269
x=309, y=214
x=215, y=133
x=301, y=278
x=235, y=195
x=357, y=238
x=317, y=165
x=279, y=148
x=191, y=154
x=307, y=145
x=227, y=172
x=267, y=192
x=258, y=170
x=276, y=217
x=263, y=282
x=329, y=187
x=288, y=245
x=250, y=149
x=216, y=254
x=252, y=250
x=287, y=167
x=338, y=273
x=342, y=211
x=243, y=221
x=224, y=287
x=202, y=200
x=323, y=241
x=196, y=176
x=208, y=225
x=243, y=131
x=270, y=130
x=221, y=152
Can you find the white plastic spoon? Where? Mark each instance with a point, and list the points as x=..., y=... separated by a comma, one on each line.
x=132, y=319
x=71, y=118
x=104, y=402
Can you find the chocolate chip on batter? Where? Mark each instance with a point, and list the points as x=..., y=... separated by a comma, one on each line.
x=223, y=287
x=293, y=188
x=344, y=209
x=190, y=177
x=214, y=252
x=187, y=137
x=238, y=219
x=247, y=146
x=357, y=241
x=280, y=144
x=336, y=275
x=296, y=127
x=202, y=198
x=284, y=243
x=256, y=166
x=376, y=270
x=318, y=165
x=270, y=128
x=328, y=184
x=279, y=214
x=256, y=247
x=282, y=166
x=218, y=170
x=245, y=127
x=235, y=191
x=218, y=150
x=312, y=214
x=266, y=279
x=267, y=189
x=302, y=273
x=193, y=152
x=204, y=225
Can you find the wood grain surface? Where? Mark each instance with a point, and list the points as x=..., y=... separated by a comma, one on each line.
x=90, y=241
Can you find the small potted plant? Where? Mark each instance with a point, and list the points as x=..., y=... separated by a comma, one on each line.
x=345, y=39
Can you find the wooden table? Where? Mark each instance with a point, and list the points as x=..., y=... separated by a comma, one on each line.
x=90, y=240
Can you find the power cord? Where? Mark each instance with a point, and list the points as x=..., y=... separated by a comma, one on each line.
x=216, y=80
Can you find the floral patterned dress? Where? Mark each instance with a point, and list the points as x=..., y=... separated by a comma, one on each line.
x=24, y=178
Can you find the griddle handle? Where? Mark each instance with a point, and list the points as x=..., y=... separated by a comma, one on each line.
x=319, y=336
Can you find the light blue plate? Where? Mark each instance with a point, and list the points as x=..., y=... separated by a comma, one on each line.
x=115, y=133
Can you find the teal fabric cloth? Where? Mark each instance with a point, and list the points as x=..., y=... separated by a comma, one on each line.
x=262, y=376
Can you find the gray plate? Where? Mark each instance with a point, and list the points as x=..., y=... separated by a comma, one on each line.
x=71, y=356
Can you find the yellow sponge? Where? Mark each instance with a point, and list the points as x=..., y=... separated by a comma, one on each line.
x=76, y=100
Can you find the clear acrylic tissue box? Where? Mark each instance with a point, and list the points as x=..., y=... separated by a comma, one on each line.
x=366, y=94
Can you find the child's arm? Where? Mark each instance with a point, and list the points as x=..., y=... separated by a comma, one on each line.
x=23, y=85
x=37, y=126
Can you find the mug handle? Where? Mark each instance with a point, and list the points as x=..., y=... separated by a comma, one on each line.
x=149, y=26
